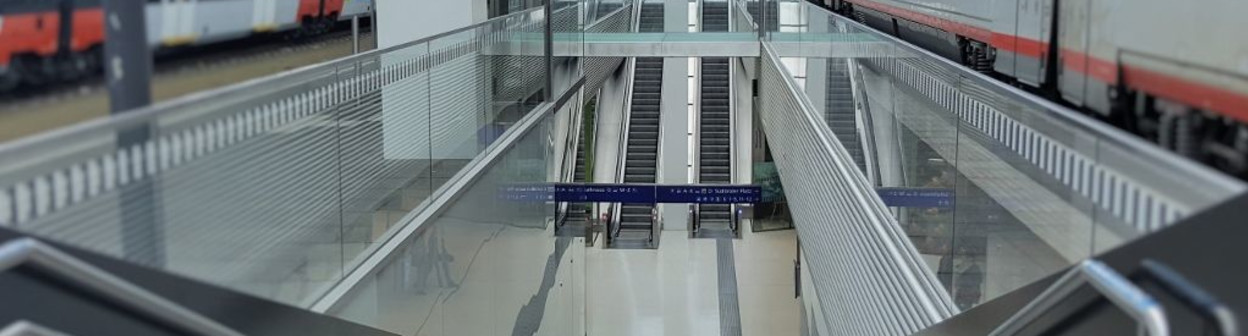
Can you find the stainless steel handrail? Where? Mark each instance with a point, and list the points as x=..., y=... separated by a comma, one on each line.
x=866, y=127
x=1131, y=299
x=622, y=156
x=27, y=328
x=937, y=305
x=48, y=259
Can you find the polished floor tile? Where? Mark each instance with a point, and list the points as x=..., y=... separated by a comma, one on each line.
x=674, y=290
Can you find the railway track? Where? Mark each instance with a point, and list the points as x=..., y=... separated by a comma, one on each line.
x=30, y=110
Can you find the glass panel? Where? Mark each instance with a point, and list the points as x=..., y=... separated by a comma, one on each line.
x=486, y=266
x=385, y=150
x=279, y=186
x=995, y=189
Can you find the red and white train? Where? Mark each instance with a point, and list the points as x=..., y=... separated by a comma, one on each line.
x=1174, y=73
x=43, y=41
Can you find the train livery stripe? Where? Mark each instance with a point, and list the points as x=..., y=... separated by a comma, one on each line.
x=1192, y=93
x=959, y=28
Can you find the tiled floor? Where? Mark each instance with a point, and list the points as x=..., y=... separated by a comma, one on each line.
x=674, y=290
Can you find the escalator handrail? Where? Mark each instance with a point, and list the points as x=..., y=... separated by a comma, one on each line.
x=1138, y=304
x=630, y=68
x=867, y=127
x=58, y=264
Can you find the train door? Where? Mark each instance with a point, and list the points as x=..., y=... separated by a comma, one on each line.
x=1032, y=41
x=1073, y=20
x=264, y=15
x=1005, y=32
x=177, y=22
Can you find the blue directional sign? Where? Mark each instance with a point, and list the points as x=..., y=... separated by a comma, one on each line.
x=536, y=192
x=709, y=194
x=917, y=197
x=631, y=193
x=601, y=192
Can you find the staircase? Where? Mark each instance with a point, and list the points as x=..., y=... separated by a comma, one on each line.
x=839, y=110
x=715, y=127
x=641, y=155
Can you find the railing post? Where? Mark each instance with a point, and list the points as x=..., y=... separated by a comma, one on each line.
x=128, y=68
x=355, y=34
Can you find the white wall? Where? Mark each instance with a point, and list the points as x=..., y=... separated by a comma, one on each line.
x=674, y=137
x=407, y=109
x=400, y=21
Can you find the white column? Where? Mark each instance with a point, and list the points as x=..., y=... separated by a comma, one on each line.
x=674, y=139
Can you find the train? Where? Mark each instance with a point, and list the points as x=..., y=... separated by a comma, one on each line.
x=1173, y=73
x=45, y=41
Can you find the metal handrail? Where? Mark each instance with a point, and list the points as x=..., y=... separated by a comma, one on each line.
x=60, y=265
x=1205, y=304
x=622, y=155
x=696, y=155
x=867, y=126
x=27, y=328
x=937, y=306
x=1131, y=299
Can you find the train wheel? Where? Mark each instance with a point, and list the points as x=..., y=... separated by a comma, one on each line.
x=33, y=70
x=72, y=67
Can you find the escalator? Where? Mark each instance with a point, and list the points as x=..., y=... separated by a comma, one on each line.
x=577, y=216
x=839, y=110
x=641, y=156
x=714, y=127
x=715, y=16
x=772, y=16
x=605, y=8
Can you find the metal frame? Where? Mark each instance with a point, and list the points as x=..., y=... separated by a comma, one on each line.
x=1131, y=299
x=62, y=266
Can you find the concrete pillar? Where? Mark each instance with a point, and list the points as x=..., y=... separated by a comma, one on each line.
x=674, y=139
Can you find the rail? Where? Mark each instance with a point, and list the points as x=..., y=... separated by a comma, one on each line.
x=1126, y=296
x=45, y=258
x=622, y=159
x=862, y=254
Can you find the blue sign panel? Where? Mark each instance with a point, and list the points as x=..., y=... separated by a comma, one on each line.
x=631, y=193
x=598, y=192
x=917, y=197
x=709, y=194
x=540, y=192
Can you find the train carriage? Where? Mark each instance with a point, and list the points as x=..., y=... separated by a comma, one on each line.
x=49, y=40
x=1176, y=74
